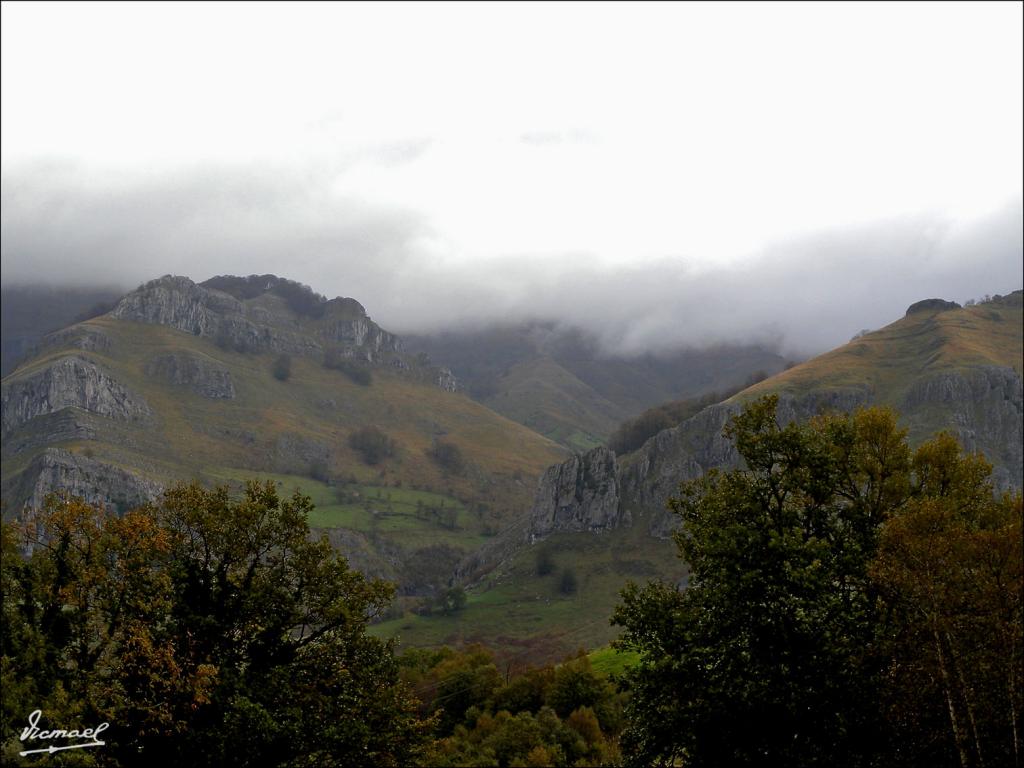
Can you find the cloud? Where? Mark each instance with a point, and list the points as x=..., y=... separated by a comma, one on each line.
x=63, y=224
x=664, y=174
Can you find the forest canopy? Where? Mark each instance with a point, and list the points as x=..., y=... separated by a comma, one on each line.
x=850, y=602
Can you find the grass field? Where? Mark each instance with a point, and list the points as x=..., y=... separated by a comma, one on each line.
x=527, y=618
x=886, y=361
x=609, y=661
x=408, y=517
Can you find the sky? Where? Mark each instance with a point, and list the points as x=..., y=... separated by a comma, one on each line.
x=659, y=174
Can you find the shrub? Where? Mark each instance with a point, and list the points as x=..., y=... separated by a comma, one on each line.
x=319, y=470
x=372, y=444
x=448, y=456
x=282, y=368
x=545, y=563
x=335, y=360
x=567, y=584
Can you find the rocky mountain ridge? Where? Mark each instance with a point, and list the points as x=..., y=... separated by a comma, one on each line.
x=68, y=382
x=68, y=392
x=982, y=405
x=562, y=382
x=261, y=324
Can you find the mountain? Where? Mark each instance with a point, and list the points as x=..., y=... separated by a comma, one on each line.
x=602, y=516
x=560, y=383
x=183, y=380
x=259, y=376
x=28, y=312
x=941, y=366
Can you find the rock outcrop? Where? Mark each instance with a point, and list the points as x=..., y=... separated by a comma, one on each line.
x=446, y=380
x=932, y=305
x=345, y=324
x=983, y=408
x=263, y=323
x=68, y=382
x=581, y=494
x=585, y=493
x=201, y=375
x=94, y=481
x=77, y=337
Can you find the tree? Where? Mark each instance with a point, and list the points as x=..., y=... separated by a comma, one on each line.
x=452, y=600
x=555, y=716
x=950, y=570
x=762, y=659
x=567, y=583
x=448, y=456
x=282, y=368
x=207, y=630
x=545, y=562
x=833, y=571
x=372, y=443
x=575, y=685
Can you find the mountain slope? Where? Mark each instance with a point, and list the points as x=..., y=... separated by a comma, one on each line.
x=178, y=382
x=548, y=399
x=931, y=338
x=560, y=383
x=27, y=312
x=941, y=366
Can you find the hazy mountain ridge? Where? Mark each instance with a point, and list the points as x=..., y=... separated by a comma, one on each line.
x=941, y=366
x=29, y=312
x=559, y=382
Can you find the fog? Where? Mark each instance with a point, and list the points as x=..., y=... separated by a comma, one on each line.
x=661, y=176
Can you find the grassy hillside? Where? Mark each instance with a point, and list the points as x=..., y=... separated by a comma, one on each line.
x=560, y=383
x=924, y=342
x=523, y=614
x=296, y=429
x=547, y=398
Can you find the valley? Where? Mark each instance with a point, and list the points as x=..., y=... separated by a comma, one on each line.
x=179, y=382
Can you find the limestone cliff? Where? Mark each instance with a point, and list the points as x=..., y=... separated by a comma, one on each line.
x=941, y=366
x=67, y=382
x=97, y=482
x=200, y=375
x=981, y=407
x=581, y=494
x=263, y=323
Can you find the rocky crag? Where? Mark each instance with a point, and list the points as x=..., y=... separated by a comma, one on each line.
x=981, y=405
x=68, y=393
x=68, y=382
x=96, y=482
x=264, y=323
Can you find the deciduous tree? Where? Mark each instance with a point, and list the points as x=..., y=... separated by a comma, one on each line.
x=208, y=630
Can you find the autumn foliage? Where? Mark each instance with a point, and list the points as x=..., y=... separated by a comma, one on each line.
x=851, y=602
x=207, y=630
